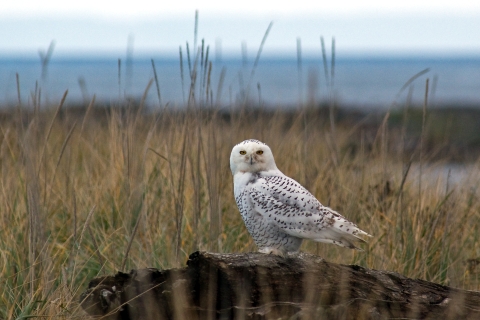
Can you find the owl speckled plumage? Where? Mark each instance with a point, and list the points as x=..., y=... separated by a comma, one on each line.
x=278, y=212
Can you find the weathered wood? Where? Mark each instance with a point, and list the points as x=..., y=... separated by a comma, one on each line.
x=260, y=286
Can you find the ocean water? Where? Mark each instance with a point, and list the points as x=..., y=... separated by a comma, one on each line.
x=362, y=82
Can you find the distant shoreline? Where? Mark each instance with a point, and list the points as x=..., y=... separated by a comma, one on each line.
x=451, y=134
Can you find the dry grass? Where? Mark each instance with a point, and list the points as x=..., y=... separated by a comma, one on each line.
x=131, y=190
x=91, y=193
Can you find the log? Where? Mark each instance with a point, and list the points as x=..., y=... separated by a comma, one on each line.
x=261, y=286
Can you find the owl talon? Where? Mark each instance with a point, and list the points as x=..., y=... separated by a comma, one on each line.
x=274, y=251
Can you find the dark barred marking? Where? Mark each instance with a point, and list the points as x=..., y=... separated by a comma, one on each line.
x=273, y=207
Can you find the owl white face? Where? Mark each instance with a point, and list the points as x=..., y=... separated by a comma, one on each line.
x=251, y=156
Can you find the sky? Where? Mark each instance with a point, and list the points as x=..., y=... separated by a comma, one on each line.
x=368, y=27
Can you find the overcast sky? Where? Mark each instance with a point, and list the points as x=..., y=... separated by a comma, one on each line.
x=159, y=27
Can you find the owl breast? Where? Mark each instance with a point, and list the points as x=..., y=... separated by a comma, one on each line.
x=264, y=232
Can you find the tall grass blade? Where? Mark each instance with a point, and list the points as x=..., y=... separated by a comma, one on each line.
x=57, y=111
x=130, y=241
x=257, y=58
x=409, y=81
x=45, y=57
x=221, y=81
x=129, y=64
x=80, y=239
x=195, y=33
x=101, y=261
x=157, y=85
x=87, y=113
x=325, y=62
x=300, y=72
x=182, y=77
x=64, y=145
x=422, y=142
x=189, y=60
x=332, y=66
x=119, y=78
x=19, y=96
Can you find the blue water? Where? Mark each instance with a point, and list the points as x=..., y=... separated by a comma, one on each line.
x=358, y=81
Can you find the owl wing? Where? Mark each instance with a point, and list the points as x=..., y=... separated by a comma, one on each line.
x=285, y=203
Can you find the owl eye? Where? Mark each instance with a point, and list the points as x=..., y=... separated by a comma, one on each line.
x=259, y=152
x=243, y=152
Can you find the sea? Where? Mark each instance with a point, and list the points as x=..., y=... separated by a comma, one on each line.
x=355, y=81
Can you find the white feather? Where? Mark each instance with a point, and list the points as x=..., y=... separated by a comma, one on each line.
x=277, y=210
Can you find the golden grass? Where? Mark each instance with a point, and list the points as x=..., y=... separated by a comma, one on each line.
x=122, y=190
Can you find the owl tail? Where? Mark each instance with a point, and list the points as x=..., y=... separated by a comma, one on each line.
x=343, y=239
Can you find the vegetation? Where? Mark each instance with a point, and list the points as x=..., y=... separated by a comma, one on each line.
x=91, y=191
x=115, y=189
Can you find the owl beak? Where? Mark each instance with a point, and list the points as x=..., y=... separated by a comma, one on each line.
x=251, y=160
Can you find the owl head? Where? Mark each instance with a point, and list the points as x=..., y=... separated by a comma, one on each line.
x=251, y=156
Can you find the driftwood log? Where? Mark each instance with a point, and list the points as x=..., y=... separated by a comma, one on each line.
x=260, y=286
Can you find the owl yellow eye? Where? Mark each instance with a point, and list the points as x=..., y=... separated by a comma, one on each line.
x=243, y=152
x=259, y=152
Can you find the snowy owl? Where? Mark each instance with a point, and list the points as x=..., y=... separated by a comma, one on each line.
x=278, y=212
